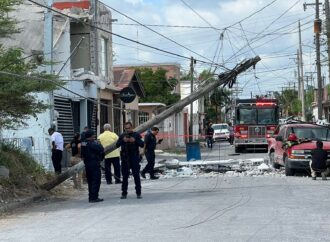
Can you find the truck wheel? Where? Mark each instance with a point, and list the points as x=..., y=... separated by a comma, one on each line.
x=238, y=149
x=288, y=171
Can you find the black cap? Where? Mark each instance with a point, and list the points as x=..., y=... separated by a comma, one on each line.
x=88, y=134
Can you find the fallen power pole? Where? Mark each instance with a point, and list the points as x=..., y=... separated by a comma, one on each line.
x=225, y=78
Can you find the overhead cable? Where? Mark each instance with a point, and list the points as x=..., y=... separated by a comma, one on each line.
x=64, y=88
x=122, y=37
x=154, y=31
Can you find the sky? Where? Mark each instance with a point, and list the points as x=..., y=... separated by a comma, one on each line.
x=219, y=31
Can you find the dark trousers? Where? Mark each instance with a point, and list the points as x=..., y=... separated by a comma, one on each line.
x=93, y=175
x=150, y=156
x=209, y=141
x=116, y=167
x=57, y=158
x=125, y=168
x=231, y=140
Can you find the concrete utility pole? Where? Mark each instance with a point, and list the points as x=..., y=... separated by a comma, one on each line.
x=327, y=17
x=95, y=61
x=222, y=79
x=191, y=122
x=48, y=53
x=298, y=75
x=317, y=31
x=302, y=85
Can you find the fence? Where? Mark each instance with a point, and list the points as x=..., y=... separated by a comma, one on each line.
x=38, y=148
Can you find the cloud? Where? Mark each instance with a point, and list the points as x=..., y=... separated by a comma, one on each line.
x=134, y=2
x=257, y=35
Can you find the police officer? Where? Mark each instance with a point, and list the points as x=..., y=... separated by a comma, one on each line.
x=130, y=141
x=92, y=153
x=150, y=142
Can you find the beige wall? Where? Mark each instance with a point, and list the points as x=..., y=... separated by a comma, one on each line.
x=133, y=114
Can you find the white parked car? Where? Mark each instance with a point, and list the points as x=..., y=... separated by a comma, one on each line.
x=221, y=132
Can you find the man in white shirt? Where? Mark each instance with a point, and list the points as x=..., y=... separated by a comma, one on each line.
x=57, y=149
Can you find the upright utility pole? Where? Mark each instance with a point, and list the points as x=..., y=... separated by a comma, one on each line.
x=327, y=17
x=298, y=75
x=302, y=88
x=48, y=53
x=317, y=31
x=95, y=62
x=191, y=123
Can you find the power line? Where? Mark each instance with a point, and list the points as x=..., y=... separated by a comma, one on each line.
x=195, y=13
x=154, y=31
x=256, y=37
x=221, y=34
x=123, y=37
x=75, y=93
x=188, y=6
x=242, y=53
x=168, y=26
x=252, y=14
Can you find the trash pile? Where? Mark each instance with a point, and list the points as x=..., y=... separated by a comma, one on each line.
x=231, y=167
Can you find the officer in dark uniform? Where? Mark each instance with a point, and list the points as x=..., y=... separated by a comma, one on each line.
x=150, y=142
x=130, y=142
x=93, y=153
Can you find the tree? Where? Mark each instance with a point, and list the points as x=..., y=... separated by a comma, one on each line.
x=289, y=101
x=309, y=96
x=7, y=25
x=18, y=99
x=156, y=83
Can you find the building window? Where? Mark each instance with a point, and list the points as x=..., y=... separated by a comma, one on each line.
x=104, y=57
x=143, y=117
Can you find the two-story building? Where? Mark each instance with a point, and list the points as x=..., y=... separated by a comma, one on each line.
x=76, y=40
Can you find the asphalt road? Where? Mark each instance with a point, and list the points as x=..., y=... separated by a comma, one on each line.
x=196, y=208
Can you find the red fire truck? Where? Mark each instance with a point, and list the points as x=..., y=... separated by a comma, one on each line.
x=254, y=121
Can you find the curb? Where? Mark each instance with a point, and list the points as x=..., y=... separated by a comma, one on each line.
x=5, y=208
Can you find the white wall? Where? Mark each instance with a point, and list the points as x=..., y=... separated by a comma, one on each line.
x=185, y=91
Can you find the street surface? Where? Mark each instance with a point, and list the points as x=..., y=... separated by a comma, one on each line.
x=206, y=207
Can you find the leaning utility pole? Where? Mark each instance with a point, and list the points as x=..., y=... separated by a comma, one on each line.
x=227, y=77
x=191, y=121
x=302, y=88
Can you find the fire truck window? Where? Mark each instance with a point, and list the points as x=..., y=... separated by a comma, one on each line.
x=246, y=116
x=266, y=116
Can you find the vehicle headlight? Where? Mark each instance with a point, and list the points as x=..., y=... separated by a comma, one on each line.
x=298, y=152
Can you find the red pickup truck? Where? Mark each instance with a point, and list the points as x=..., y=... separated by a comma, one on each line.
x=296, y=154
